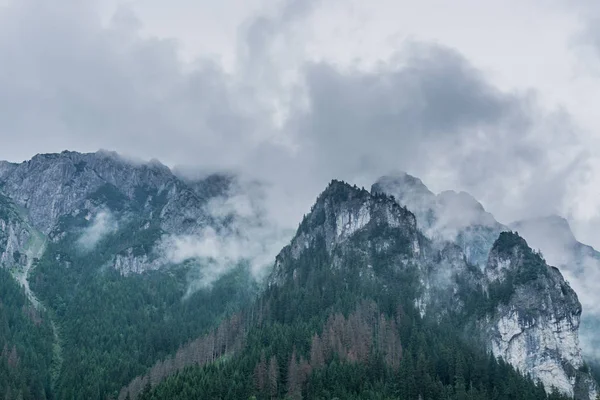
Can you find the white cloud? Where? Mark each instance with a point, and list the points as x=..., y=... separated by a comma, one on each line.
x=103, y=223
x=244, y=234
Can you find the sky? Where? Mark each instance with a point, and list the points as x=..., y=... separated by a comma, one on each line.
x=494, y=98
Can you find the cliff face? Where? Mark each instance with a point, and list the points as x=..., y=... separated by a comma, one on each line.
x=93, y=196
x=535, y=325
x=347, y=220
x=580, y=265
x=14, y=235
x=50, y=186
x=521, y=309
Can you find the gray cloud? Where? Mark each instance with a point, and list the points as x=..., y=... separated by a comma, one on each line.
x=430, y=112
x=70, y=81
x=244, y=234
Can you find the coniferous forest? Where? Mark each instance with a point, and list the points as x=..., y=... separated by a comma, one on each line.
x=324, y=332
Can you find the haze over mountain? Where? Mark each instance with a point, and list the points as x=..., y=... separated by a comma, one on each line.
x=124, y=264
x=294, y=93
x=191, y=260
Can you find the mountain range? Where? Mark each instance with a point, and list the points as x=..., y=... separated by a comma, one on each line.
x=118, y=284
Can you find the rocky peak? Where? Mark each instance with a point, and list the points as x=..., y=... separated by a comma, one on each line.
x=52, y=185
x=342, y=213
x=579, y=263
x=342, y=210
x=448, y=216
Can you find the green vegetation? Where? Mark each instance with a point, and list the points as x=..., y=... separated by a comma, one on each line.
x=329, y=333
x=332, y=328
x=114, y=327
x=25, y=345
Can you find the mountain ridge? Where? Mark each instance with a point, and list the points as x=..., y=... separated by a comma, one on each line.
x=352, y=242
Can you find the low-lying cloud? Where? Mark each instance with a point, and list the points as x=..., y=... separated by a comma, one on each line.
x=242, y=232
x=103, y=224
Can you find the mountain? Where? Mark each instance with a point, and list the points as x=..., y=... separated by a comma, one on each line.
x=92, y=239
x=579, y=263
x=100, y=191
x=392, y=293
x=525, y=311
x=459, y=218
x=361, y=304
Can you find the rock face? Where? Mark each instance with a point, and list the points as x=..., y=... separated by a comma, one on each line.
x=50, y=186
x=340, y=220
x=14, y=235
x=73, y=193
x=521, y=308
x=535, y=324
x=579, y=263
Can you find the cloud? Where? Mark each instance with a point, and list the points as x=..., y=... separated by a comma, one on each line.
x=242, y=233
x=94, y=86
x=103, y=223
x=429, y=111
x=279, y=115
x=585, y=283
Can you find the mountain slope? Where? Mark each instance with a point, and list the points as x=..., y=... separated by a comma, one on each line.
x=460, y=219
x=357, y=263
x=365, y=288
x=117, y=299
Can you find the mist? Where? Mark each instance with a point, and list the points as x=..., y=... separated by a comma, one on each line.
x=242, y=232
x=102, y=224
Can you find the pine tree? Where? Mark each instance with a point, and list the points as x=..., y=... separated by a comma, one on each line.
x=294, y=379
x=317, y=357
x=273, y=377
x=260, y=373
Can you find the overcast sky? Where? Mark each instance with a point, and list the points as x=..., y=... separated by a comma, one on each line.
x=498, y=98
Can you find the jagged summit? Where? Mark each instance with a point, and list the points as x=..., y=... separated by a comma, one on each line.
x=448, y=216
x=50, y=186
x=343, y=213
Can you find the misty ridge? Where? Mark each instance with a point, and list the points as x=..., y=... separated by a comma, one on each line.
x=245, y=229
x=251, y=232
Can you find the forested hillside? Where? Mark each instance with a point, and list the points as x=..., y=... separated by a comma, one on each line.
x=361, y=304
x=25, y=345
x=326, y=328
